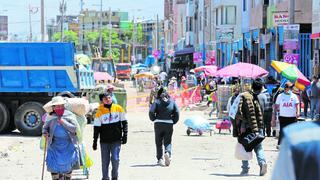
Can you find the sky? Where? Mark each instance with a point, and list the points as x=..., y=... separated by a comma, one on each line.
x=18, y=16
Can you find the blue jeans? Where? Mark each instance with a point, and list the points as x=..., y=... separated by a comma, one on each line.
x=108, y=149
x=314, y=107
x=260, y=157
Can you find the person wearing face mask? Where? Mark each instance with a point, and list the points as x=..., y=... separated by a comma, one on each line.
x=110, y=124
x=60, y=129
x=164, y=113
x=287, y=105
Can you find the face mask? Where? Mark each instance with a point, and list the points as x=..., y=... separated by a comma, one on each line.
x=59, y=111
x=289, y=92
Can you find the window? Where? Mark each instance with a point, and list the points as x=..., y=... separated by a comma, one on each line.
x=217, y=17
x=244, y=8
x=206, y=16
x=222, y=16
x=189, y=24
x=252, y=3
x=230, y=15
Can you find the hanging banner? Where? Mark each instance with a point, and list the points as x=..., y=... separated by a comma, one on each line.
x=291, y=58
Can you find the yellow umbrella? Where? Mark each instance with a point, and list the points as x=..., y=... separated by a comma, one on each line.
x=144, y=75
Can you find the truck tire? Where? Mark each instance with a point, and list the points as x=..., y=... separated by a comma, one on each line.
x=28, y=118
x=4, y=118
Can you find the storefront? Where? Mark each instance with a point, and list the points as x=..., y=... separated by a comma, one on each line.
x=316, y=52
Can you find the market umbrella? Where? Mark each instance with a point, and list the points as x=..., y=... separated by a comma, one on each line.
x=208, y=70
x=144, y=75
x=291, y=73
x=99, y=76
x=245, y=70
x=139, y=65
x=83, y=59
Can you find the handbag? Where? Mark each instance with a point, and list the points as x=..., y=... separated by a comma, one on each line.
x=250, y=140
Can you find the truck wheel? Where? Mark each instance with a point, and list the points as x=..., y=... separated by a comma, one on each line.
x=28, y=118
x=4, y=118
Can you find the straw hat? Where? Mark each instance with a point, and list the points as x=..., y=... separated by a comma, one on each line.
x=57, y=100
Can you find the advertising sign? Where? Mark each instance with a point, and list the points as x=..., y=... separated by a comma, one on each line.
x=281, y=18
x=291, y=58
x=290, y=44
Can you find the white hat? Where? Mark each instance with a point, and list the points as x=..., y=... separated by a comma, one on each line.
x=57, y=100
x=192, y=71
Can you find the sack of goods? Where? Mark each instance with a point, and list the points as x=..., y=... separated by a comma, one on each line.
x=79, y=106
x=241, y=153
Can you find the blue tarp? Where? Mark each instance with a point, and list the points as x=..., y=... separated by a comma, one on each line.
x=197, y=123
x=149, y=60
x=247, y=38
x=255, y=34
x=240, y=44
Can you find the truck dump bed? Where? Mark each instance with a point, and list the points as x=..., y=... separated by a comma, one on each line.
x=41, y=67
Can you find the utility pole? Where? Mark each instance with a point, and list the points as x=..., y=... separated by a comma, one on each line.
x=292, y=11
x=63, y=9
x=157, y=45
x=42, y=20
x=100, y=31
x=110, y=28
x=81, y=30
x=30, y=25
x=133, y=39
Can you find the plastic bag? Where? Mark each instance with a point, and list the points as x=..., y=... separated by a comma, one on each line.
x=241, y=153
x=42, y=142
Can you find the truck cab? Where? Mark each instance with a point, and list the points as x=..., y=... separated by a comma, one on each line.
x=123, y=71
x=104, y=65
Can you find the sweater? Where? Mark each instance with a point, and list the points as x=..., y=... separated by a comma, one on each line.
x=110, y=124
x=165, y=112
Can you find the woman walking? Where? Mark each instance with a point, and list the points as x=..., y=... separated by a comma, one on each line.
x=60, y=131
x=287, y=105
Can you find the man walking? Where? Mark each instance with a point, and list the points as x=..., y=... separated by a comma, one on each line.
x=315, y=96
x=248, y=120
x=111, y=125
x=164, y=113
x=265, y=101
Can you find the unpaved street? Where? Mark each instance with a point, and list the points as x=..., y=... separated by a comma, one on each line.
x=194, y=157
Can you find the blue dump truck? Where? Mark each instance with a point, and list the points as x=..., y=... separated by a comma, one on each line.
x=30, y=75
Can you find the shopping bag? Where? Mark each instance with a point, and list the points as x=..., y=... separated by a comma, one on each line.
x=89, y=161
x=241, y=153
x=250, y=140
x=42, y=142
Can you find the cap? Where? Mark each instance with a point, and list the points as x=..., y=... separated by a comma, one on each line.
x=106, y=94
x=288, y=85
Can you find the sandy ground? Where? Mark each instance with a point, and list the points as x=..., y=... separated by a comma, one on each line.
x=194, y=157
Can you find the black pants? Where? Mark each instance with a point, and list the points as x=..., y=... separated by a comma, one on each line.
x=267, y=122
x=163, y=136
x=305, y=109
x=285, y=121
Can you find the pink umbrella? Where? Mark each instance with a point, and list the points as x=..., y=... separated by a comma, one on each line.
x=208, y=70
x=245, y=70
x=99, y=76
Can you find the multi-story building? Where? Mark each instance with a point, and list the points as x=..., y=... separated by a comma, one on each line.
x=3, y=28
x=227, y=29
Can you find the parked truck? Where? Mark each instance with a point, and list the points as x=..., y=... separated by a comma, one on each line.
x=30, y=75
x=123, y=71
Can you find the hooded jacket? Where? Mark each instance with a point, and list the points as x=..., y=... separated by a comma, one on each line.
x=164, y=112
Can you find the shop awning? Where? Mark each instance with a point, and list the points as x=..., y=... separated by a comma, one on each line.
x=315, y=36
x=184, y=51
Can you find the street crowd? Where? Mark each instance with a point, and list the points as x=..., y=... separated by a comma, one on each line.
x=252, y=111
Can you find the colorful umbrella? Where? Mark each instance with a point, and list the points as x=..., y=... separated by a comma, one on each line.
x=244, y=70
x=99, y=76
x=208, y=70
x=291, y=73
x=144, y=75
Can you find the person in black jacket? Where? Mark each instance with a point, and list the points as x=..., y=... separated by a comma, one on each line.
x=111, y=125
x=164, y=113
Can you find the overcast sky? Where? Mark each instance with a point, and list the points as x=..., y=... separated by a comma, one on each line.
x=17, y=11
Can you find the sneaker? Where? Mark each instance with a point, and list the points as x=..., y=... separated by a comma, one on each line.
x=160, y=162
x=167, y=159
x=244, y=172
x=263, y=169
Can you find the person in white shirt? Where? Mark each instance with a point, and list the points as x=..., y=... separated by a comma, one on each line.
x=287, y=105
